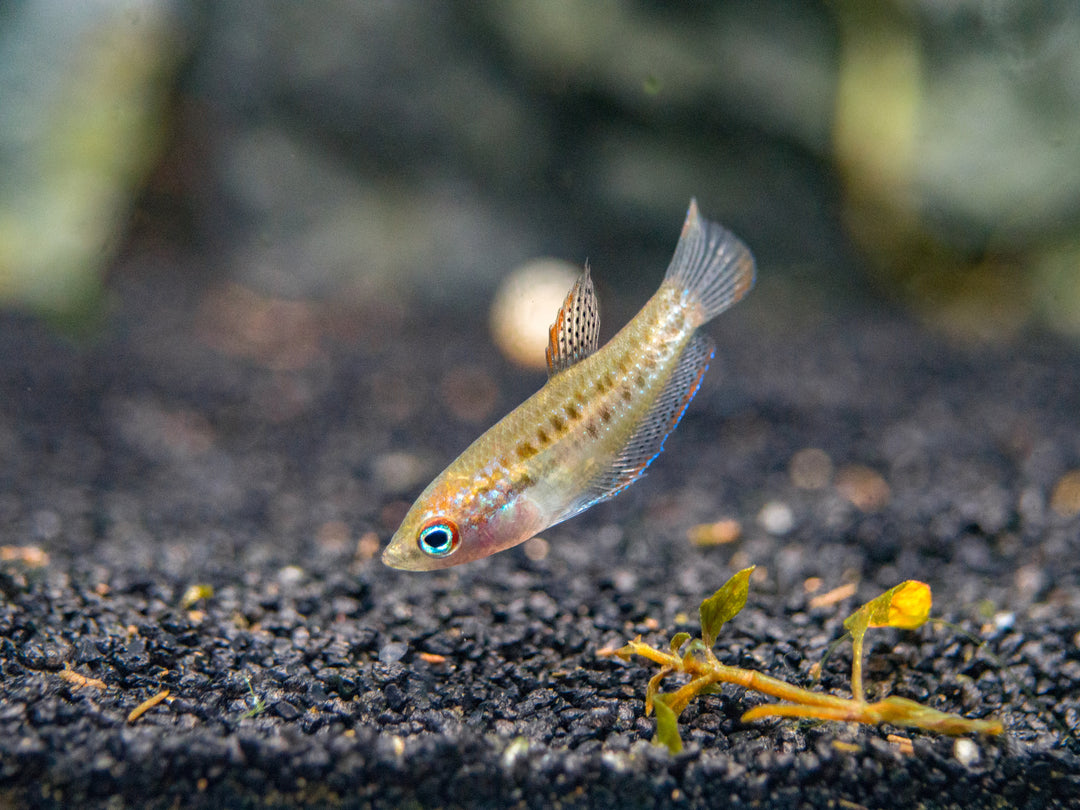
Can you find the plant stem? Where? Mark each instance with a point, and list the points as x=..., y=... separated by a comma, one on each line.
x=799, y=702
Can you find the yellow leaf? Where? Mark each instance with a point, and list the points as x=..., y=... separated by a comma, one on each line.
x=909, y=606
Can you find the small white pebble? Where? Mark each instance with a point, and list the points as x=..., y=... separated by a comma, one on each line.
x=1030, y=579
x=399, y=471
x=393, y=652
x=616, y=761
x=810, y=468
x=518, y=748
x=625, y=581
x=1004, y=620
x=966, y=752
x=776, y=518
x=526, y=304
x=290, y=575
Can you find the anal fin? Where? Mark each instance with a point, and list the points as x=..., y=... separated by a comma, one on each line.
x=647, y=441
x=576, y=331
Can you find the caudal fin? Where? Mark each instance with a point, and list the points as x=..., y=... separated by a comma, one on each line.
x=711, y=263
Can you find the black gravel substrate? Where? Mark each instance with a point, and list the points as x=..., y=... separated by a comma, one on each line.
x=208, y=522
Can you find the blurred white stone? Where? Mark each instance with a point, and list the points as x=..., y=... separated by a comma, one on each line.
x=776, y=518
x=966, y=752
x=526, y=304
x=400, y=471
x=290, y=575
x=1004, y=620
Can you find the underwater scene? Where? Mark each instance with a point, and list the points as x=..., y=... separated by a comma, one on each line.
x=539, y=403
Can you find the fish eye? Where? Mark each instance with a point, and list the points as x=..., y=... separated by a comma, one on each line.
x=439, y=538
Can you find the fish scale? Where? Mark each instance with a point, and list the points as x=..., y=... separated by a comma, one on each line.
x=597, y=424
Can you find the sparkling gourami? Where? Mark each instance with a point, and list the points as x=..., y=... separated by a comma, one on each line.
x=598, y=422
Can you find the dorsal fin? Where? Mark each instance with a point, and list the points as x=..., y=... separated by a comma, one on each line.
x=576, y=331
x=648, y=439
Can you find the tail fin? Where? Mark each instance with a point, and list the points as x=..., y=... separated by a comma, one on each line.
x=711, y=264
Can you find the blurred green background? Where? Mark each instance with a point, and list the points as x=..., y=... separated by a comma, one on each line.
x=914, y=151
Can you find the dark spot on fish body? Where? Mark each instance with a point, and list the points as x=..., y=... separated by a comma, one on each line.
x=639, y=380
x=525, y=450
x=525, y=480
x=627, y=394
x=591, y=430
x=601, y=386
x=558, y=423
x=542, y=436
x=572, y=410
x=605, y=415
x=624, y=363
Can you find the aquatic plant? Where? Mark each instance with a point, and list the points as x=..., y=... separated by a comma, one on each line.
x=906, y=606
x=258, y=704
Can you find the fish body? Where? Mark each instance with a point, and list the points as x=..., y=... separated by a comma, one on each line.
x=597, y=423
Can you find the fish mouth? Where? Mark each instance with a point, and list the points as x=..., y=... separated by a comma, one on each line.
x=394, y=556
x=403, y=555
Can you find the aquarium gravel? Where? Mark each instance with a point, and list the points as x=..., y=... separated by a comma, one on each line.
x=193, y=611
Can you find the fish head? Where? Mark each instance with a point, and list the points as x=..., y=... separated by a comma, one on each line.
x=454, y=522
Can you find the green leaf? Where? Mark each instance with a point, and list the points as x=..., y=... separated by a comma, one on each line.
x=724, y=605
x=667, y=726
x=677, y=641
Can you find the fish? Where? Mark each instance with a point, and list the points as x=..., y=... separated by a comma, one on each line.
x=598, y=422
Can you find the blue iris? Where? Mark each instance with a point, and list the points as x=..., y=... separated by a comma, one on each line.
x=439, y=538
